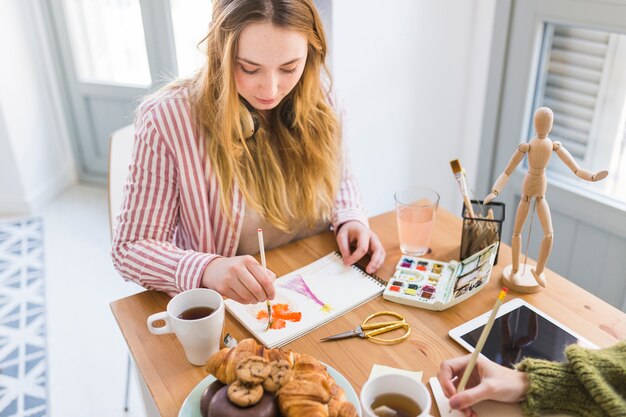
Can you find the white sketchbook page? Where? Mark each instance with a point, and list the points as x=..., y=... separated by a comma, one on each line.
x=483, y=409
x=340, y=286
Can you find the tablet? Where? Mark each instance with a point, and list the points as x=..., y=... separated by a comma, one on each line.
x=519, y=331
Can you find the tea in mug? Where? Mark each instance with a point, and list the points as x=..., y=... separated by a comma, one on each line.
x=395, y=405
x=195, y=313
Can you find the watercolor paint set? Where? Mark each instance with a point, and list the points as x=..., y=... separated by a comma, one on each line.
x=437, y=285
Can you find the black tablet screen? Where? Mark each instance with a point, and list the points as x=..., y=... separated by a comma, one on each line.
x=520, y=334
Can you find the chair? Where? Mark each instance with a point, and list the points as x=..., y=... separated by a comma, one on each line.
x=120, y=153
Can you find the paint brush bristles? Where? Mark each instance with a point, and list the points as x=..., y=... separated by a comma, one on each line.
x=459, y=174
x=455, y=164
x=262, y=252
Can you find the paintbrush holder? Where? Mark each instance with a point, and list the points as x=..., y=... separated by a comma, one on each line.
x=483, y=229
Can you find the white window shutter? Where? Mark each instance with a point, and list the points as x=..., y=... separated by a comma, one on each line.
x=571, y=83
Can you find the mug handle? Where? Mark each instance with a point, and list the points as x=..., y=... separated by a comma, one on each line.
x=163, y=315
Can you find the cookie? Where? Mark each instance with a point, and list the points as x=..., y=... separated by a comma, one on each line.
x=244, y=395
x=280, y=372
x=221, y=406
x=253, y=370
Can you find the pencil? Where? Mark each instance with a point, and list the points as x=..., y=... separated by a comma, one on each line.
x=459, y=174
x=262, y=252
x=481, y=341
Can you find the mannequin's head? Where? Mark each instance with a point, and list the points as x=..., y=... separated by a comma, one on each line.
x=543, y=121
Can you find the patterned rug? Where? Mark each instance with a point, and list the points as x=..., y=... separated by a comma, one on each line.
x=23, y=380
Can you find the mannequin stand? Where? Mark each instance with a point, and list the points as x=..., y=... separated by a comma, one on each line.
x=524, y=281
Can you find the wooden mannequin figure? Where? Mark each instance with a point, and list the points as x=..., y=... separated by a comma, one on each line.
x=539, y=151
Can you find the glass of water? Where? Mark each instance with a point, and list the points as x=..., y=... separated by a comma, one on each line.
x=415, y=210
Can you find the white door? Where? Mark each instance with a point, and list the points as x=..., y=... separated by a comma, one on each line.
x=570, y=55
x=114, y=52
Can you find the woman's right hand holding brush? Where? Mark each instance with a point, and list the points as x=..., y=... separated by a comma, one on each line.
x=240, y=278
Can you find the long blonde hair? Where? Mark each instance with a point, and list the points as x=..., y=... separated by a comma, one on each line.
x=289, y=170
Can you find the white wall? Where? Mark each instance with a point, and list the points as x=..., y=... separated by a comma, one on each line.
x=35, y=152
x=11, y=192
x=410, y=73
x=412, y=78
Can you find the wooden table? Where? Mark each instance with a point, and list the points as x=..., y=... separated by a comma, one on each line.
x=170, y=378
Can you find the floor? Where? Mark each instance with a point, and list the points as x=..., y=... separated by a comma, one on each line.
x=87, y=355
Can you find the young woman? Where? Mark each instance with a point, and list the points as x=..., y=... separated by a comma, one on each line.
x=589, y=383
x=252, y=140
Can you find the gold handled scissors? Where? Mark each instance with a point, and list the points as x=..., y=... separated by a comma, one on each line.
x=370, y=331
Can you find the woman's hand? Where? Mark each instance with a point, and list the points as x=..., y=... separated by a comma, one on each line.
x=365, y=240
x=240, y=278
x=488, y=381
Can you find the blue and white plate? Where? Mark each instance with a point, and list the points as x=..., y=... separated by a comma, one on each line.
x=191, y=406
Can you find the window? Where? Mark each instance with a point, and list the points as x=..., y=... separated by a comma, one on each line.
x=582, y=78
x=109, y=44
x=113, y=53
x=107, y=41
x=190, y=19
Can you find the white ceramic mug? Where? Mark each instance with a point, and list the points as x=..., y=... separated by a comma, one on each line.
x=200, y=338
x=395, y=384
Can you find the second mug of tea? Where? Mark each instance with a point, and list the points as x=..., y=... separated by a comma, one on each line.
x=395, y=395
x=197, y=318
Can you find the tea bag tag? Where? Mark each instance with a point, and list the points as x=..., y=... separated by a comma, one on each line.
x=384, y=411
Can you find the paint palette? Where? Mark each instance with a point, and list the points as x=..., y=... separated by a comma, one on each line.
x=437, y=285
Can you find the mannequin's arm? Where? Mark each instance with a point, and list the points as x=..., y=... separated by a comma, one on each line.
x=504, y=177
x=569, y=160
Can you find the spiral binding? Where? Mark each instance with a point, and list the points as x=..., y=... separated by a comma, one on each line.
x=372, y=277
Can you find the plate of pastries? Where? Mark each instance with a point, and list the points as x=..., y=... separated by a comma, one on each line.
x=249, y=380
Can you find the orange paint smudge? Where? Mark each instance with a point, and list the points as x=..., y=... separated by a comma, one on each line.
x=280, y=315
x=278, y=324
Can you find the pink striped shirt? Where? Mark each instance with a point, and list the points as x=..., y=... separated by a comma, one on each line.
x=171, y=224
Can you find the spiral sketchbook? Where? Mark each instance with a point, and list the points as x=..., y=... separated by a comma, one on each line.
x=307, y=299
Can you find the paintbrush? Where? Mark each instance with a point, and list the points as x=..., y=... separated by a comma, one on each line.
x=459, y=174
x=481, y=341
x=262, y=252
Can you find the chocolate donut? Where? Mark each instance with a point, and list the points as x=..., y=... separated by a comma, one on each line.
x=207, y=395
x=221, y=406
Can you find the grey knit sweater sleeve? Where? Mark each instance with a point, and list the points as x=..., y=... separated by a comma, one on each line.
x=590, y=383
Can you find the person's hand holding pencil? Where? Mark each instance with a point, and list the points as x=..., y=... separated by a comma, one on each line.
x=487, y=381
x=482, y=339
x=483, y=379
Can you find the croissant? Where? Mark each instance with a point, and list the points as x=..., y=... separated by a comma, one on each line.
x=338, y=406
x=223, y=364
x=295, y=406
x=341, y=408
x=312, y=392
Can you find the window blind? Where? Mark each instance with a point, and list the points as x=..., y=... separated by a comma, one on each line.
x=571, y=84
